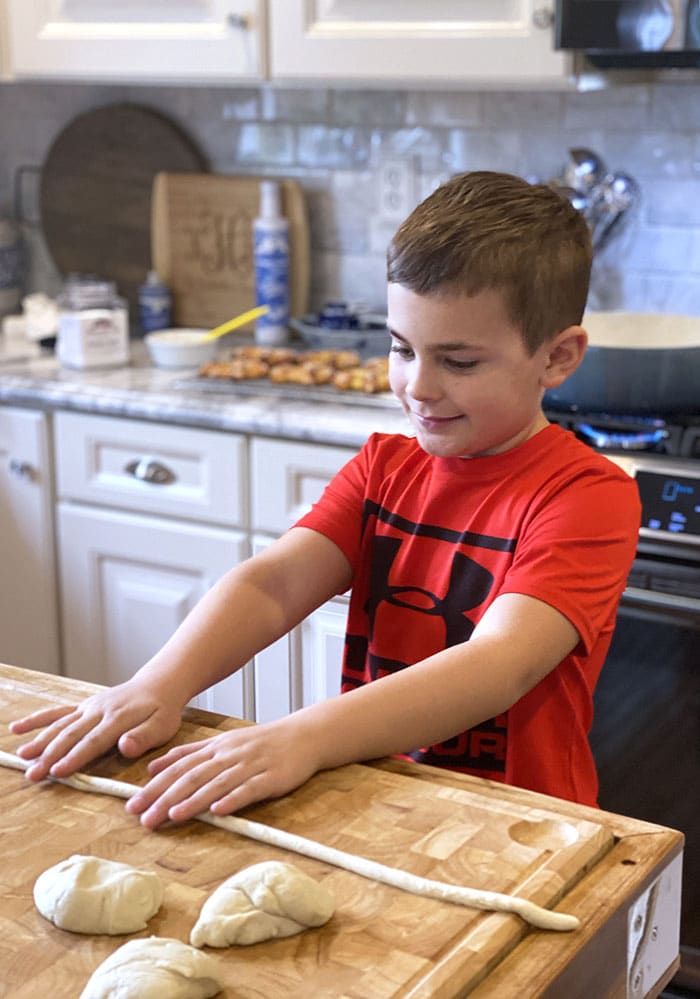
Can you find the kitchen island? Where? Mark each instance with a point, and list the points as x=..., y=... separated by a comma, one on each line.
x=619, y=876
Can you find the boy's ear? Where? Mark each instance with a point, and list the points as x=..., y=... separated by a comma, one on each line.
x=564, y=355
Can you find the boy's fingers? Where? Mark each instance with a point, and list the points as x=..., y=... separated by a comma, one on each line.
x=38, y=719
x=161, y=763
x=69, y=749
x=180, y=784
x=252, y=790
x=38, y=745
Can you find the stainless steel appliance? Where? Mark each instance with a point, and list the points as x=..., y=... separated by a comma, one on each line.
x=646, y=730
x=634, y=34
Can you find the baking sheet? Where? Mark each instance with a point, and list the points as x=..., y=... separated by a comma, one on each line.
x=282, y=390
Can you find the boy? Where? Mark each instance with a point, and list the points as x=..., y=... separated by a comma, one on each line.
x=486, y=556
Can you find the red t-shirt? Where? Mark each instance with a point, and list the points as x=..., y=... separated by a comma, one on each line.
x=433, y=541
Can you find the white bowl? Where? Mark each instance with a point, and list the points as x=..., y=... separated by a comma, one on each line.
x=180, y=348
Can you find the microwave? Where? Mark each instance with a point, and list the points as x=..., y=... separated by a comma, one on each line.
x=633, y=34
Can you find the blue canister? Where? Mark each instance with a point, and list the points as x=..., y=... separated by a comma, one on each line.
x=155, y=304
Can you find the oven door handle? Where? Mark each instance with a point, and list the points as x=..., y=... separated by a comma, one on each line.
x=633, y=596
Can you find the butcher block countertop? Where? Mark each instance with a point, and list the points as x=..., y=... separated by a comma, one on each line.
x=619, y=876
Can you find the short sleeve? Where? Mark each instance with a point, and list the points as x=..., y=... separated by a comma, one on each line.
x=576, y=549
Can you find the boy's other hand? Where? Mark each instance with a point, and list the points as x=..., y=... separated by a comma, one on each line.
x=131, y=716
x=226, y=773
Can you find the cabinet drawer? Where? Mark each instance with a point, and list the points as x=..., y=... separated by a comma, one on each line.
x=287, y=478
x=137, y=465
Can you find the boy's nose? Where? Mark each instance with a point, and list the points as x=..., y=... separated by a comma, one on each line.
x=422, y=384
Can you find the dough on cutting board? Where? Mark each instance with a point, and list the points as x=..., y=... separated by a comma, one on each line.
x=91, y=895
x=266, y=900
x=154, y=968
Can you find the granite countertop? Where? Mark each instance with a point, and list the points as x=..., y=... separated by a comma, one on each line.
x=143, y=392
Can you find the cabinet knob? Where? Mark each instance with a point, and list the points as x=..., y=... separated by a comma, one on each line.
x=238, y=21
x=148, y=470
x=543, y=17
x=21, y=469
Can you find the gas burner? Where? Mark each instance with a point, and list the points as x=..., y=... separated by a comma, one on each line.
x=621, y=433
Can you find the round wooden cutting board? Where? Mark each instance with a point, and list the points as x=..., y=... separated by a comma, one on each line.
x=95, y=192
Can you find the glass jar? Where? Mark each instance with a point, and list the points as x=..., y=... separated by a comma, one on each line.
x=93, y=324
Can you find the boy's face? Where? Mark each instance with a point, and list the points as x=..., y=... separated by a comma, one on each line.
x=459, y=367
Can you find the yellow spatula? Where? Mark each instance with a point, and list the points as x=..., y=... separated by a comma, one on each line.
x=233, y=324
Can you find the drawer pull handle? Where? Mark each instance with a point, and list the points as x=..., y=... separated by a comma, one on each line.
x=21, y=469
x=148, y=470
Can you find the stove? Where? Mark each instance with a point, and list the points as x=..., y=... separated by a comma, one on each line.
x=646, y=730
x=662, y=454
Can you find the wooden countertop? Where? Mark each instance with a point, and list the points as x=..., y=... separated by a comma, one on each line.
x=382, y=942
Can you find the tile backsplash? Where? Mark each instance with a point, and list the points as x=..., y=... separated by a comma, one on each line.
x=333, y=142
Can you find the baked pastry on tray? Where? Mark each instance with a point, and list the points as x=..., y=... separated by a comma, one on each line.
x=341, y=369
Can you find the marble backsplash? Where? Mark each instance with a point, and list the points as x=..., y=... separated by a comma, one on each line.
x=332, y=141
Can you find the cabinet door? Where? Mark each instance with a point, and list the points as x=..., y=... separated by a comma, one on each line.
x=28, y=611
x=198, y=40
x=320, y=648
x=287, y=478
x=479, y=41
x=274, y=677
x=127, y=581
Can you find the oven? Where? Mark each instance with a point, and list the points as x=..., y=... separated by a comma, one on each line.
x=646, y=730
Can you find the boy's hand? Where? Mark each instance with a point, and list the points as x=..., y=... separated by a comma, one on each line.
x=226, y=773
x=132, y=716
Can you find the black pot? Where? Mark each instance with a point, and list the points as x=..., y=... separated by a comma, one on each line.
x=636, y=362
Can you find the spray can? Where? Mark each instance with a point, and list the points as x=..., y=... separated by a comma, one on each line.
x=271, y=259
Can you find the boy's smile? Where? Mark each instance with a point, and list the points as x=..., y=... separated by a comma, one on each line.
x=460, y=369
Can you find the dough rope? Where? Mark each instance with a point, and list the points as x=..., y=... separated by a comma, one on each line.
x=475, y=898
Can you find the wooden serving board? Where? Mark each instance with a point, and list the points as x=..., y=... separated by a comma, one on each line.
x=381, y=942
x=202, y=238
x=95, y=191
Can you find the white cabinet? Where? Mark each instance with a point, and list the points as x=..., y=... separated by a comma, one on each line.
x=441, y=42
x=28, y=607
x=303, y=667
x=138, y=40
x=322, y=641
x=149, y=517
x=402, y=42
x=288, y=477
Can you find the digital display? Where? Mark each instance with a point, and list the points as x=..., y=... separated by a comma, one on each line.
x=669, y=502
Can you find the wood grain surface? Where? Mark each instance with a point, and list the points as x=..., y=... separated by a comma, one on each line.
x=95, y=191
x=381, y=942
x=203, y=244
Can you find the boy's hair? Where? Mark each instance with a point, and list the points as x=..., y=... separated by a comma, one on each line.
x=486, y=230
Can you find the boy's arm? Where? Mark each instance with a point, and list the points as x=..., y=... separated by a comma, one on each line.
x=249, y=608
x=518, y=641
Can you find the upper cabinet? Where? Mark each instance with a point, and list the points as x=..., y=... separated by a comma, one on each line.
x=137, y=40
x=440, y=41
x=362, y=42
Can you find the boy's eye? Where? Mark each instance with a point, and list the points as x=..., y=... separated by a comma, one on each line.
x=460, y=365
x=398, y=348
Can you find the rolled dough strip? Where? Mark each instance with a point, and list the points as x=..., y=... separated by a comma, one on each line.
x=472, y=897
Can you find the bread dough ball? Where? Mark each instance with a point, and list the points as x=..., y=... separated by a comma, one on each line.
x=91, y=895
x=266, y=900
x=154, y=968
